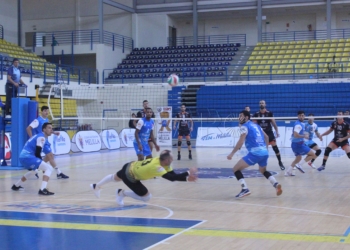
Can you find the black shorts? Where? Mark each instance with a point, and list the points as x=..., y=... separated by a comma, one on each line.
x=136, y=186
x=184, y=132
x=340, y=144
x=312, y=145
x=271, y=136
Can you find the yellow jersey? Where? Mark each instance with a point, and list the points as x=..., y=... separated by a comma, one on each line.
x=148, y=169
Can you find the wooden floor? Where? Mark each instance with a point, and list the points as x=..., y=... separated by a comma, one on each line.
x=312, y=213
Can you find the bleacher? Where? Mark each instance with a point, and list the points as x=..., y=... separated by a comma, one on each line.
x=186, y=61
x=8, y=51
x=299, y=57
x=283, y=99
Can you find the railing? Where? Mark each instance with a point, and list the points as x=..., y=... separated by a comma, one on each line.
x=1, y=32
x=75, y=37
x=304, y=35
x=116, y=40
x=49, y=72
x=214, y=39
x=230, y=73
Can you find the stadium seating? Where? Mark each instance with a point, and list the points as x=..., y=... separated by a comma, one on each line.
x=9, y=51
x=283, y=99
x=186, y=61
x=299, y=57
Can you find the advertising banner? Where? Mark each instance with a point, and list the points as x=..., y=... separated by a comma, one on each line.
x=110, y=139
x=86, y=141
x=164, y=128
x=127, y=136
x=60, y=144
x=216, y=136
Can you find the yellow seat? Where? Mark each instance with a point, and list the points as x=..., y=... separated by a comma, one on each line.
x=341, y=45
x=314, y=60
x=288, y=72
x=317, y=51
x=319, y=46
x=316, y=55
x=298, y=47
x=305, y=46
x=299, y=61
x=326, y=45
x=261, y=52
x=280, y=72
x=310, y=71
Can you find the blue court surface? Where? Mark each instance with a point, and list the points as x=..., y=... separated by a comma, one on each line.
x=23, y=230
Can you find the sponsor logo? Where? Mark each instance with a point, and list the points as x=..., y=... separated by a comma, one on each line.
x=214, y=136
x=81, y=141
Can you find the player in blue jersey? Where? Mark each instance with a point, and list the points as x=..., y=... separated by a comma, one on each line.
x=312, y=129
x=256, y=142
x=144, y=131
x=35, y=127
x=30, y=158
x=299, y=147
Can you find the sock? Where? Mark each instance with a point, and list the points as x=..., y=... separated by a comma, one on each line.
x=243, y=184
x=324, y=162
x=19, y=182
x=272, y=180
x=289, y=170
x=106, y=179
x=43, y=185
x=189, y=151
x=58, y=170
x=278, y=157
x=26, y=175
x=312, y=161
x=178, y=152
x=302, y=162
x=131, y=194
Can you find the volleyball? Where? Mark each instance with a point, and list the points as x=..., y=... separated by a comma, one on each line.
x=173, y=80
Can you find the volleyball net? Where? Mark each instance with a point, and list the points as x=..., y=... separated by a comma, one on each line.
x=95, y=107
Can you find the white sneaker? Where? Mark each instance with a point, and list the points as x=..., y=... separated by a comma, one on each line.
x=97, y=190
x=120, y=198
x=312, y=165
x=300, y=168
x=289, y=173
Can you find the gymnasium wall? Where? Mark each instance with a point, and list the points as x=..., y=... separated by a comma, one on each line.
x=74, y=15
x=8, y=19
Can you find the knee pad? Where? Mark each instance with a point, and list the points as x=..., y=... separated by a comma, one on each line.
x=267, y=174
x=188, y=143
x=239, y=175
x=46, y=168
x=179, y=143
x=348, y=154
x=318, y=152
x=147, y=197
x=275, y=148
x=327, y=151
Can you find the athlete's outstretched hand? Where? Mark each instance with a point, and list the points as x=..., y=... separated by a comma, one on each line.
x=157, y=148
x=193, y=174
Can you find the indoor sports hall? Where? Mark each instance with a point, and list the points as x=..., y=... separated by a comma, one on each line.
x=94, y=68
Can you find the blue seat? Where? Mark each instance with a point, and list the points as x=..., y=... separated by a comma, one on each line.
x=116, y=76
x=148, y=48
x=142, y=49
x=137, y=76
x=136, y=49
x=150, y=75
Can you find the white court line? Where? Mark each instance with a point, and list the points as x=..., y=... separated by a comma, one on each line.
x=170, y=212
x=175, y=235
x=257, y=205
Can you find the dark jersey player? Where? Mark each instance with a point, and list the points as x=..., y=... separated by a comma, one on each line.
x=142, y=114
x=266, y=125
x=341, y=135
x=184, y=130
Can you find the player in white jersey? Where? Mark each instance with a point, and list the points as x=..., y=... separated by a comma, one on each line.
x=312, y=129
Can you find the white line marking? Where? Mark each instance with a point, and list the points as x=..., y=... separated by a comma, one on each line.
x=175, y=235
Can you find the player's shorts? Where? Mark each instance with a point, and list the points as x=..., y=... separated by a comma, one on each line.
x=300, y=148
x=30, y=162
x=311, y=143
x=184, y=132
x=134, y=185
x=251, y=159
x=271, y=136
x=340, y=144
x=146, y=151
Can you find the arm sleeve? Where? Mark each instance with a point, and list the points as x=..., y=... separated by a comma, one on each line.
x=38, y=152
x=297, y=128
x=139, y=124
x=172, y=176
x=243, y=130
x=34, y=124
